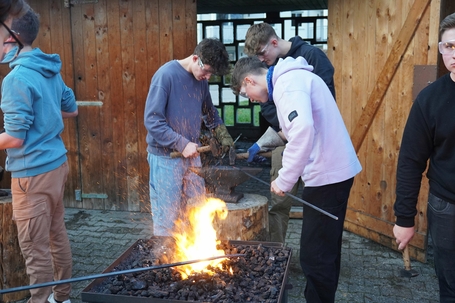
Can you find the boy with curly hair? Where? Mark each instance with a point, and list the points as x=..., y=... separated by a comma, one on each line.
x=178, y=100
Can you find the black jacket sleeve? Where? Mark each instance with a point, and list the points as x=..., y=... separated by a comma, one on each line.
x=268, y=111
x=415, y=150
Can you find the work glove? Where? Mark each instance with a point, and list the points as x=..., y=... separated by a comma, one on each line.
x=268, y=141
x=252, y=152
x=223, y=137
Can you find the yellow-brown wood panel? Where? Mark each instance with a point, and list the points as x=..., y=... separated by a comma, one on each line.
x=191, y=25
x=89, y=116
x=152, y=57
x=117, y=163
x=179, y=30
x=166, y=30
x=141, y=25
x=359, y=47
x=104, y=95
x=129, y=41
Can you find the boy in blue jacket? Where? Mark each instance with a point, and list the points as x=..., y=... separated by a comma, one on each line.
x=34, y=102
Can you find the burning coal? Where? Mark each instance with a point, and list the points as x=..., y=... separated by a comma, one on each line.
x=258, y=277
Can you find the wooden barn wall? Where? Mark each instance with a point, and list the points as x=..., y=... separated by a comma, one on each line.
x=110, y=51
x=362, y=33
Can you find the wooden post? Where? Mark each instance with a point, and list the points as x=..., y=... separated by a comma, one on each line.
x=12, y=263
x=247, y=220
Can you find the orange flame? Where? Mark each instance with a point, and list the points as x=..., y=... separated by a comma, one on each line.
x=197, y=239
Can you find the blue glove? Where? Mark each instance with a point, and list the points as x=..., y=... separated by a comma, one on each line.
x=252, y=151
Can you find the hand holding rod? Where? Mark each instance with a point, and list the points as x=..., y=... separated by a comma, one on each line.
x=293, y=197
x=201, y=149
x=114, y=273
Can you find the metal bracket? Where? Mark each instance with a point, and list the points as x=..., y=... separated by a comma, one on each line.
x=79, y=195
x=68, y=3
x=89, y=103
x=94, y=196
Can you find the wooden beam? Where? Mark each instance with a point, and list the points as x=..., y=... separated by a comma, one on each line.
x=388, y=71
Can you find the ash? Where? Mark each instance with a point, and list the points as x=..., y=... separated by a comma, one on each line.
x=257, y=277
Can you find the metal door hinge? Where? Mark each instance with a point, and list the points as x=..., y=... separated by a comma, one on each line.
x=79, y=195
x=68, y=3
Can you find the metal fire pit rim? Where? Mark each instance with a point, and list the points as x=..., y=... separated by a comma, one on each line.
x=92, y=297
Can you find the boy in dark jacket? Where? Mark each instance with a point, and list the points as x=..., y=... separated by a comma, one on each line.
x=261, y=40
x=429, y=135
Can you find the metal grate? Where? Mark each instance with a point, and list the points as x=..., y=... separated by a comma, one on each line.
x=239, y=115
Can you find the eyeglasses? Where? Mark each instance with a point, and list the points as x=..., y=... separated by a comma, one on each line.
x=243, y=94
x=447, y=47
x=201, y=65
x=20, y=46
x=263, y=51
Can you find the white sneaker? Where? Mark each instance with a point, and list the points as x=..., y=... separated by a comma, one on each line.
x=52, y=300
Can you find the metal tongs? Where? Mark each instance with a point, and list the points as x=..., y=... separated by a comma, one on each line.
x=115, y=273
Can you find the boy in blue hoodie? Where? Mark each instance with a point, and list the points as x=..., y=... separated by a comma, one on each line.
x=34, y=102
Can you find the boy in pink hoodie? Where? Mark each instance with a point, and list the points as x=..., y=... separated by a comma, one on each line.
x=319, y=150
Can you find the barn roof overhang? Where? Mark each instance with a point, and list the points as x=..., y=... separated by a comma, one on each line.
x=261, y=6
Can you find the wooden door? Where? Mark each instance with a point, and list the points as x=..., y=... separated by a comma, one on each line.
x=375, y=47
x=117, y=47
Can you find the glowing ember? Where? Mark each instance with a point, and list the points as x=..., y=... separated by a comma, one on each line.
x=196, y=239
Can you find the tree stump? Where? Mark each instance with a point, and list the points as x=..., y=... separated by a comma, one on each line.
x=247, y=220
x=12, y=263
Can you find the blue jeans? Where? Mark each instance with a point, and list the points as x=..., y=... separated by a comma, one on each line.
x=171, y=184
x=321, y=239
x=441, y=225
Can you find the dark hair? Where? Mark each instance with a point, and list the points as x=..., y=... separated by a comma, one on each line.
x=212, y=52
x=244, y=67
x=27, y=27
x=257, y=36
x=13, y=8
x=447, y=23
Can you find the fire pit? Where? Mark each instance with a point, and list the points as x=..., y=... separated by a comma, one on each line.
x=222, y=180
x=260, y=276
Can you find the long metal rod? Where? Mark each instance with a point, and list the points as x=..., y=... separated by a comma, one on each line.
x=292, y=196
x=115, y=273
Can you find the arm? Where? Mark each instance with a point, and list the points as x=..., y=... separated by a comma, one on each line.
x=70, y=115
x=155, y=118
x=295, y=111
x=17, y=112
x=322, y=67
x=215, y=123
x=68, y=105
x=416, y=147
x=268, y=111
x=8, y=141
x=212, y=118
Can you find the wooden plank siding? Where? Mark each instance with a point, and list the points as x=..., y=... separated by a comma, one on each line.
x=362, y=35
x=110, y=51
x=122, y=45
